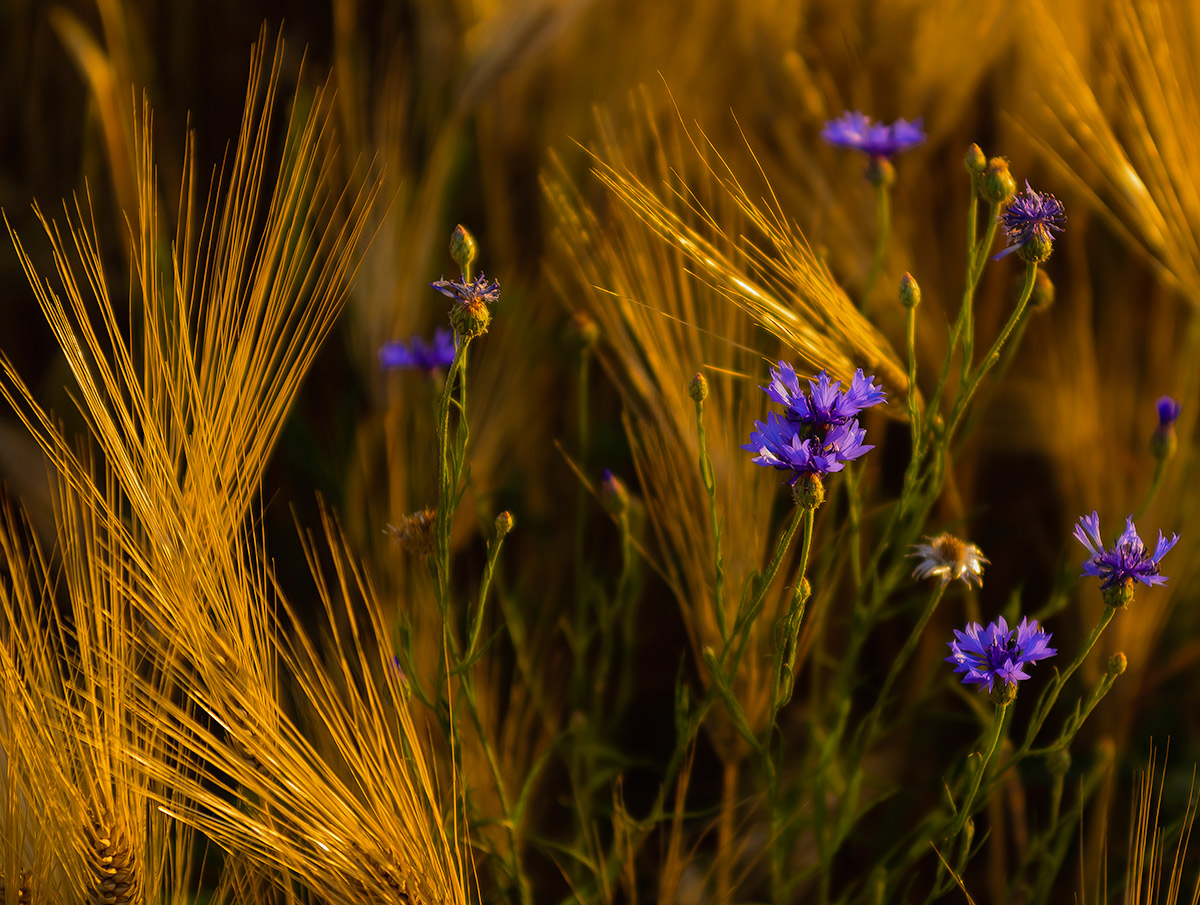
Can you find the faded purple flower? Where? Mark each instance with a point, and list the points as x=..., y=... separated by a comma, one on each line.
x=857, y=131
x=419, y=355
x=1029, y=222
x=998, y=652
x=467, y=294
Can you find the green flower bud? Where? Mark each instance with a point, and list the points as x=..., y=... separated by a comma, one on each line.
x=997, y=184
x=613, y=495
x=698, y=387
x=975, y=160
x=910, y=292
x=1117, y=664
x=462, y=247
x=1058, y=762
x=582, y=330
x=504, y=523
x=1043, y=292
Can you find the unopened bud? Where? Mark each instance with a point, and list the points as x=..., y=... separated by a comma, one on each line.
x=1043, y=291
x=1163, y=441
x=698, y=387
x=1058, y=762
x=997, y=184
x=582, y=330
x=613, y=495
x=504, y=523
x=975, y=160
x=1117, y=664
x=910, y=292
x=462, y=247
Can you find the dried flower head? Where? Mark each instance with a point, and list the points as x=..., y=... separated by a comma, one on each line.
x=1029, y=222
x=819, y=432
x=414, y=533
x=470, y=316
x=948, y=557
x=1123, y=563
x=857, y=131
x=419, y=355
x=998, y=652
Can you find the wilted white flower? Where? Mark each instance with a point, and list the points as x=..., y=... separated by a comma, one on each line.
x=948, y=557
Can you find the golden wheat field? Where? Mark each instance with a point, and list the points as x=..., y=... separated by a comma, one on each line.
x=533, y=452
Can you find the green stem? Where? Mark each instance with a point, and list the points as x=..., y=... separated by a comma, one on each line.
x=1159, y=470
x=993, y=354
x=968, y=803
x=883, y=207
x=710, y=487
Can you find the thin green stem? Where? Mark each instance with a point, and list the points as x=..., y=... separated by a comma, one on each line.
x=1159, y=470
x=710, y=487
x=968, y=803
x=883, y=208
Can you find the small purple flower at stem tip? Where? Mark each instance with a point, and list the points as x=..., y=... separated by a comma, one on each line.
x=1163, y=441
x=997, y=652
x=1123, y=563
x=858, y=132
x=1030, y=221
x=1168, y=411
x=419, y=355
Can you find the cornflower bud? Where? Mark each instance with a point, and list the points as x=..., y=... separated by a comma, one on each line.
x=997, y=184
x=975, y=160
x=462, y=247
x=910, y=291
x=698, y=387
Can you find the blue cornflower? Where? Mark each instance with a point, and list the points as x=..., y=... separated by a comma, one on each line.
x=419, y=355
x=1029, y=222
x=1168, y=411
x=819, y=432
x=1124, y=562
x=824, y=405
x=998, y=652
x=780, y=443
x=856, y=130
x=1163, y=441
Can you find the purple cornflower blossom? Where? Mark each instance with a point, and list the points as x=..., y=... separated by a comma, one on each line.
x=1029, y=222
x=819, y=432
x=857, y=131
x=1126, y=561
x=418, y=354
x=469, y=293
x=998, y=652
x=1163, y=441
x=825, y=404
x=1168, y=411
